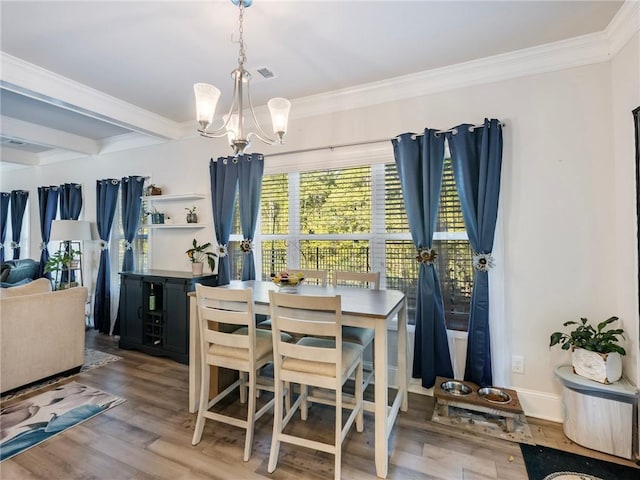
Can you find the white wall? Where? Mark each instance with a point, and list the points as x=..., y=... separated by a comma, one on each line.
x=562, y=226
x=625, y=75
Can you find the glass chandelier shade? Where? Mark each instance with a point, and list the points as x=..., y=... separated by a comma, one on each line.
x=233, y=125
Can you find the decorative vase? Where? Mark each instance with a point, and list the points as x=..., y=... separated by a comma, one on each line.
x=196, y=268
x=192, y=218
x=601, y=367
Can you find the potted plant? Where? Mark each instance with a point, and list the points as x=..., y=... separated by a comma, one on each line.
x=156, y=216
x=192, y=216
x=197, y=254
x=63, y=261
x=595, y=352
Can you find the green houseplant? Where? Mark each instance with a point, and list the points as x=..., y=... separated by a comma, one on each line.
x=595, y=352
x=63, y=261
x=198, y=254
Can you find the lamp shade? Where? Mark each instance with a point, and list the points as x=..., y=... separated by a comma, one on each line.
x=206, y=100
x=279, y=109
x=64, y=230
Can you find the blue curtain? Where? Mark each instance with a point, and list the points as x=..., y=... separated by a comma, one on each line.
x=106, y=200
x=251, y=169
x=476, y=155
x=18, y=205
x=70, y=201
x=48, y=204
x=224, y=185
x=420, y=161
x=5, y=198
x=70, y=207
x=131, y=204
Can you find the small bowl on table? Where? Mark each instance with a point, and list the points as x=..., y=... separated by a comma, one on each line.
x=287, y=283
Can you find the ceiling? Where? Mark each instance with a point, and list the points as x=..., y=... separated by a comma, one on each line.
x=77, y=75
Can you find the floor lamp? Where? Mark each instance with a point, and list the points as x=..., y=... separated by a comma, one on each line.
x=70, y=233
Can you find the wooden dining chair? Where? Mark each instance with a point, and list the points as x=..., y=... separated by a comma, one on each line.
x=319, y=359
x=359, y=335
x=229, y=339
x=313, y=277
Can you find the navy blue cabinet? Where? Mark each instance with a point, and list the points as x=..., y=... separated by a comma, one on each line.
x=154, y=311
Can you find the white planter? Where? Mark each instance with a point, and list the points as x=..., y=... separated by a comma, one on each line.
x=601, y=367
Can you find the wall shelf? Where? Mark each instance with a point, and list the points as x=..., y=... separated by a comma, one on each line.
x=173, y=197
x=174, y=225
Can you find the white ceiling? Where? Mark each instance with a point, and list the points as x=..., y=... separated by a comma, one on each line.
x=76, y=74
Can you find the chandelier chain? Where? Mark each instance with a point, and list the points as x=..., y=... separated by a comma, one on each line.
x=242, y=55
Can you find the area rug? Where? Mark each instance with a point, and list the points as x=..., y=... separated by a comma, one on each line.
x=485, y=424
x=29, y=422
x=92, y=359
x=544, y=463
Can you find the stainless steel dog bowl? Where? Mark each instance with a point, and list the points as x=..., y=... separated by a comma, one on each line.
x=494, y=395
x=455, y=388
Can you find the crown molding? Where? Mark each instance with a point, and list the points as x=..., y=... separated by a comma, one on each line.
x=35, y=82
x=574, y=52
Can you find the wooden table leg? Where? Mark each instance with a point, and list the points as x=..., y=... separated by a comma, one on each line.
x=381, y=399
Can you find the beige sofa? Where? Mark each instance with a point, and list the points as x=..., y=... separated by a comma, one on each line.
x=41, y=332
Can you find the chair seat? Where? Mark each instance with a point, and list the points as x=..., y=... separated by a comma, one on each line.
x=350, y=353
x=263, y=345
x=359, y=335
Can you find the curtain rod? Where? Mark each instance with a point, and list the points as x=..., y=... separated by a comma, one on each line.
x=454, y=131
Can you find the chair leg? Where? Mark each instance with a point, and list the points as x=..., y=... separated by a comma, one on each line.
x=277, y=427
x=203, y=404
x=304, y=405
x=338, y=433
x=287, y=397
x=251, y=416
x=359, y=397
x=243, y=387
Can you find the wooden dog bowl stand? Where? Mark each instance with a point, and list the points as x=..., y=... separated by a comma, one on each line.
x=444, y=400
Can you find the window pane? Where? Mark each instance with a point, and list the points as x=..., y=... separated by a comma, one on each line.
x=335, y=201
x=235, y=260
x=395, y=215
x=450, y=213
x=274, y=257
x=402, y=272
x=349, y=255
x=236, y=228
x=274, y=211
x=455, y=272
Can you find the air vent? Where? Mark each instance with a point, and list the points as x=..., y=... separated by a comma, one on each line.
x=15, y=143
x=265, y=72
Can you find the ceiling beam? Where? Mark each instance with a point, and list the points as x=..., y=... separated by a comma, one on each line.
x=27, y=79
x=12, y=155
x=48, y=137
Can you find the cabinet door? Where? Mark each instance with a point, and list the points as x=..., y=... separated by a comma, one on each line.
x=130, y=321
x=175, y=316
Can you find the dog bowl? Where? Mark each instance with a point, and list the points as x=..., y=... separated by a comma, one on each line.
x=494, y=395
x=455, y=388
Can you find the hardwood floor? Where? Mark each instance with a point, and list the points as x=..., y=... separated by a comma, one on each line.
x=149, y=437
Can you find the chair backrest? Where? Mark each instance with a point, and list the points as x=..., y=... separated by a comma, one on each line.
x=314, y=277
x=357, y=279
x=307, y=315
x=221, y=311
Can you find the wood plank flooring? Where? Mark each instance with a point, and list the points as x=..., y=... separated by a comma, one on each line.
x=149, y=437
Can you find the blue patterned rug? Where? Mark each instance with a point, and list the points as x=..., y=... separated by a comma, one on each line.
x=92, y=359
x=26, y=423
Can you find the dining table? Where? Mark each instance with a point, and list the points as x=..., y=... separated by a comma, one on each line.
x=361, y=307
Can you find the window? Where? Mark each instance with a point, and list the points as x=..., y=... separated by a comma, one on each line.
x=140, y=243
x=354, y=219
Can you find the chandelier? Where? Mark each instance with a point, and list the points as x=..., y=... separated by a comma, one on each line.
x=233, y=125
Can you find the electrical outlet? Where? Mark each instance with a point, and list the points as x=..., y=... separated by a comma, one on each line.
x=517, y=364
